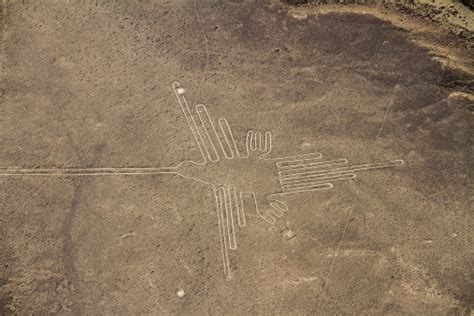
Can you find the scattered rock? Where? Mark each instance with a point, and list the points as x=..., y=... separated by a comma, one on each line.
x=180, y=293
x=126, y=235
x=307, y=146
x=289, y=234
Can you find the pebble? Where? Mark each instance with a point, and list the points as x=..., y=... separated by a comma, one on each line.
x=289, y=234
x=307, y=146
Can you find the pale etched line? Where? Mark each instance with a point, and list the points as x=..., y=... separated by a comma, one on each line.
x=271, y=221
x=383, y=119
x=331, y=266
x=253, y=142
x=225, y=129
x=179, y=92
x=298, y=174
x=263, y=142
x=301, y=172
x=241, y=218
x=229, y=218
x=189, y=177
x=328, y=178
x=315, y=183
x=311, y=165
x=325, y=186
x=293, y=166
x=230, y=214
x=224, y=125
x=281, y=161
x=40, y=188
x=280, y=205
x=289, y=188
x=341, y=170
x=353, y=168
x=259, y=141
x=233, y=206
x=311, y=173
x=224, y=197
x=275, y=213
x=268, y=143
x=276, y=210
x=256, y=140
x=312, y=183
x=220, y=229
x=298, y=157
x=71, y=172
x=199, y=108
x=94, y=169
x=84, y=174
x=208, y=143
x=238, y=206
x=246, y=152
x=220, y=218
x=248, y=140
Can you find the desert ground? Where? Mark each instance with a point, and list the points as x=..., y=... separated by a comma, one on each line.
x=94, y=100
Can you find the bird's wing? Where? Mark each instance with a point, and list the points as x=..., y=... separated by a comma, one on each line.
x=304, y=175
x=214, y=143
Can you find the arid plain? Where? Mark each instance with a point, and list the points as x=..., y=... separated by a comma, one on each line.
x=89, y=84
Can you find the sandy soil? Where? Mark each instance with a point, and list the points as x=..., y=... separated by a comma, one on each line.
x=88, y=84
x=456, y=16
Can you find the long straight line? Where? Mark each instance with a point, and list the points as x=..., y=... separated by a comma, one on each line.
x=360, y=167
x=333, y=261
x=312, y=182
x=73, y=172
x=310, y=164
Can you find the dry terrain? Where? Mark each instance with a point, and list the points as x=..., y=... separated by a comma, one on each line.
x=89, y=84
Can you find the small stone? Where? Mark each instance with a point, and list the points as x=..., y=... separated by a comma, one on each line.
x=180, y=293
x=126, y=235
x=307, y=146
x=289, y=234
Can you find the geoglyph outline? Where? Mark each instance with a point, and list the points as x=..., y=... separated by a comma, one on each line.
x=296, y=174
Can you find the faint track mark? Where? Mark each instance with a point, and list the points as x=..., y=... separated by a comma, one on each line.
x=3, y=38
x=68, y=244
x=331, y=266
x=204, y=45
